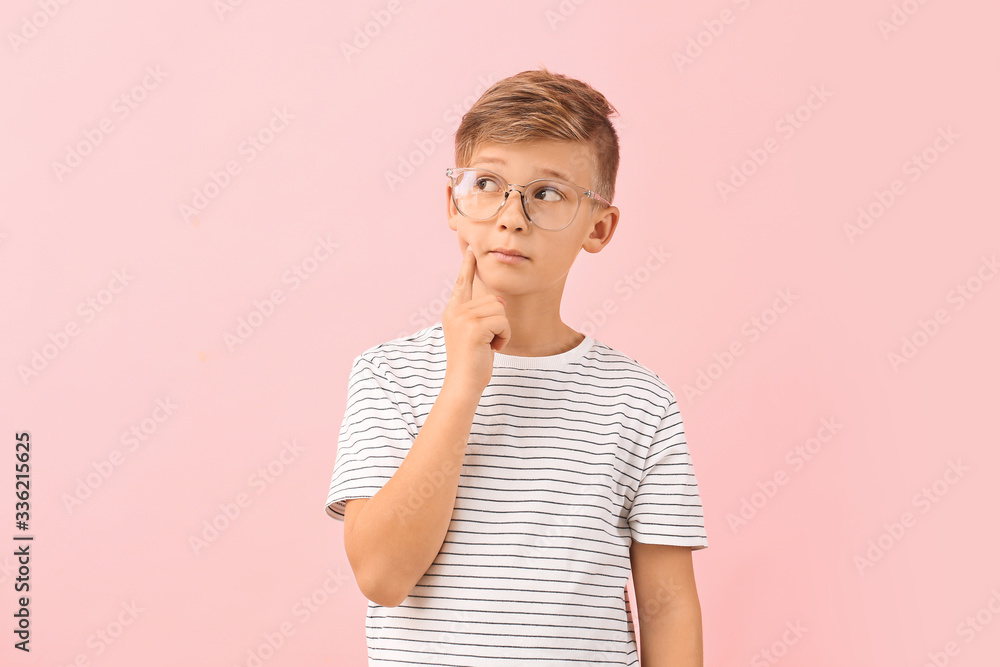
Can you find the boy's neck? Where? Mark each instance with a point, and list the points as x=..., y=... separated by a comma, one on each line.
x=542, y=343
x=536, y=329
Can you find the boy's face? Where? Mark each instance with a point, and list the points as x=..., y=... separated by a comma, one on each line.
x=550, y=254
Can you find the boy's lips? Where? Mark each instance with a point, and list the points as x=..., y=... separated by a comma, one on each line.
x=510, y=252
x=508, y=256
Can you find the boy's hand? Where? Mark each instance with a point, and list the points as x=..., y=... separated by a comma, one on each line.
x=473, y=330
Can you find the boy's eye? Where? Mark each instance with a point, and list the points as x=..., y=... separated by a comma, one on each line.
x=484, y=184
x=549, y=194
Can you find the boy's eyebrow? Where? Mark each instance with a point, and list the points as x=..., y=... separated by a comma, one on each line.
x=546, y=171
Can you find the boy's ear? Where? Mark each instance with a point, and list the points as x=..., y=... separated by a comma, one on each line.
x=452, y=212
x=605, y=224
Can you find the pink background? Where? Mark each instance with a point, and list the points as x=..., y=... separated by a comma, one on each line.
x=320, y=174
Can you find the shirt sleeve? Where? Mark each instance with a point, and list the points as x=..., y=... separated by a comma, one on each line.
x=374, y=437
x=667, y=506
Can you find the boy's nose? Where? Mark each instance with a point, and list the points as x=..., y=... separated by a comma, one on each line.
x=512, y=211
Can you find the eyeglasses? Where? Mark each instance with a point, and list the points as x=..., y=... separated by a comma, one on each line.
x=550, y=204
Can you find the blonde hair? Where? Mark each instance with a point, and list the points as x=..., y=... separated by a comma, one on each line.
x=538, y=104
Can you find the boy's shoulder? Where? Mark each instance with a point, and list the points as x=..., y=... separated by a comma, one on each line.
x=426, y=344
x=621, y=366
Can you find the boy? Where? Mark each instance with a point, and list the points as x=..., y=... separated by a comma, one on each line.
x=498, y=473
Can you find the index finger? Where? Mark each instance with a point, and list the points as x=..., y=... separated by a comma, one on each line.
x=466, y=273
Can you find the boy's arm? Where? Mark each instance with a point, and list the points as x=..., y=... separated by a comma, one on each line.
x=668, y=607
x=393, y=537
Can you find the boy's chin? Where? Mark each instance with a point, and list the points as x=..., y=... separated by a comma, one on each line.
x=503, y=286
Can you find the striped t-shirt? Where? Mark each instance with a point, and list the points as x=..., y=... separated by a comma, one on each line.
x=570, y=457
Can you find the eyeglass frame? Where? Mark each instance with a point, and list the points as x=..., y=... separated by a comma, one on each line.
x=584, y=192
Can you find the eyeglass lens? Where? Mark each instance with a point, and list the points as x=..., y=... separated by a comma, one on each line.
x=479, y=194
